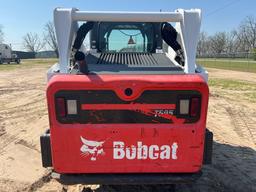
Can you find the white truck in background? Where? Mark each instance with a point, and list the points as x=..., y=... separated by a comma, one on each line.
x=6, y=55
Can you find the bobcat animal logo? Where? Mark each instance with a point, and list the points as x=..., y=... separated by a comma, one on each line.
x=92, y=148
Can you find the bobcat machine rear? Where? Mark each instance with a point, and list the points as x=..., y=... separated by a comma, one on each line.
x=127, y=103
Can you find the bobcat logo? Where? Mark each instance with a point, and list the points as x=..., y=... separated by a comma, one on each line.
x=92, y=148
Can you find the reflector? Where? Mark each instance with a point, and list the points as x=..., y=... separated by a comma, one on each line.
x=61, y=108
x=184, y=106
x=72, y=107
x=194, y=109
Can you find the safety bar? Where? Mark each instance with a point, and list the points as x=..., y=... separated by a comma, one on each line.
x=188, y=27
x=127, y=16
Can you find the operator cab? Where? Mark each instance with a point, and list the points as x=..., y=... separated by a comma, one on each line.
x=117, y=37
x=126, y=47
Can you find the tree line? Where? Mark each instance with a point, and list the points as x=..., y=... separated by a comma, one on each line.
x=1, y=34
x=240, y=40
x=32, y=42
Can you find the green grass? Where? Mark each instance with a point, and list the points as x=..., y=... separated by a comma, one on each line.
x=230, y=64
x=235, y=89
x=28, y=63
x=232, y=84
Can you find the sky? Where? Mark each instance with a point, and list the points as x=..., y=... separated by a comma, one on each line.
x=20, y=17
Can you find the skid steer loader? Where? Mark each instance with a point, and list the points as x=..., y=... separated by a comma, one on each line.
x=127, y=102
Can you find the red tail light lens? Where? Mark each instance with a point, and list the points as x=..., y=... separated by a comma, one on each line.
x=194, y=107
x=61, y=107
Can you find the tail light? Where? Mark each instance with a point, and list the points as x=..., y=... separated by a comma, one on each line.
x=72, y=107
x=66, y=108
x=189, y=107
x=184, y=106
x=194, y=107
x=61, y=107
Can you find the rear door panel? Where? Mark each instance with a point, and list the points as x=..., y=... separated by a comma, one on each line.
x=113, y=130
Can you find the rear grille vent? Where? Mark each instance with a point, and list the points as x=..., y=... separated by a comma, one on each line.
x=141, y=59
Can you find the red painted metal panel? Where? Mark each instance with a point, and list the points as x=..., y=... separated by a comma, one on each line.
x=126, y=106
x=127, y=148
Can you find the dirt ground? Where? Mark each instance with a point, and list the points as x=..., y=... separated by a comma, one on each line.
x=23, y=118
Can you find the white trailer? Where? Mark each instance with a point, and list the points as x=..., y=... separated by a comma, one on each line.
x=6, y=55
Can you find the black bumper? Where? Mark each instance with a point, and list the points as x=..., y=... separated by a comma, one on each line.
x=127, y=179
x=208, y=147
x=46, y=154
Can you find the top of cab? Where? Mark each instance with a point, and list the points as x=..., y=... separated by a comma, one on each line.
x=188, y=23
